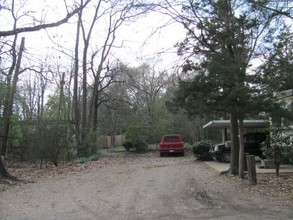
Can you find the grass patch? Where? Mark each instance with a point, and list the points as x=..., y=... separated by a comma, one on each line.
x=113, y=150
x=119, y=149
x=82, y=160
x=153, y=147
x=4, y=187
x=187, y=147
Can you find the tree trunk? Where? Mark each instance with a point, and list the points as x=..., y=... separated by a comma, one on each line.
x=75, y=85
x=8, y=114
x=4, y=174
x=241, y=150
x=113, y=129
x=95, y=109
x=84, y=111
x=234, y=162
x=61, y=107
x=277, y=165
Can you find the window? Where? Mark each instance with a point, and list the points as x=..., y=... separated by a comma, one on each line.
x=172, y=138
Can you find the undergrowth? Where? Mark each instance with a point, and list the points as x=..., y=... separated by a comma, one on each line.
x=94, y=157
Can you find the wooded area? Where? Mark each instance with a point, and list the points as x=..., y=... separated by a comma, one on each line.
x=57, y=107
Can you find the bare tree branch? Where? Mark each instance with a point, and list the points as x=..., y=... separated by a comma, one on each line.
x=43, y=26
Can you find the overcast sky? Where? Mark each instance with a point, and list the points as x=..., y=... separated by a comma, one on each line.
x=141, y=43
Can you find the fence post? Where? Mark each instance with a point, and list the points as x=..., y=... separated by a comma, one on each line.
x=251, y=169
x=245, y=161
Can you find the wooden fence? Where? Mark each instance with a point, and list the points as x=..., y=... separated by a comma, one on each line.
x=107, y=141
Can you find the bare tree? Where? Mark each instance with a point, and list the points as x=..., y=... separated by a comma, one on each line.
x=11, y=77
x=76, y=108
x=112, y=14
x=32, y=91
x=41, y=25
x=145, y=84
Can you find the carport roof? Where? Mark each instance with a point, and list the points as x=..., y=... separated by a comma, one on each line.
x=246, y=124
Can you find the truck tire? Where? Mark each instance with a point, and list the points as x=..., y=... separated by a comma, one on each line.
x=225, y=157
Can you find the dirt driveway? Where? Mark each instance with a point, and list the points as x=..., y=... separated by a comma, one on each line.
x=135, y=187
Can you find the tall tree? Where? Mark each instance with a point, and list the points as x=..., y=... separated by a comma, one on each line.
x=114, y=105
x=7, y=113
x=108, y=15
x=76, y=106
x=222, y=39
x=146, y=85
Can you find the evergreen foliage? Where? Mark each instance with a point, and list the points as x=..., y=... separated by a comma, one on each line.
x=201, y=149
x=223, y=37
x=277, y=71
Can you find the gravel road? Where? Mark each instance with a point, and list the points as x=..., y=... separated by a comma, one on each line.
x=137, y=187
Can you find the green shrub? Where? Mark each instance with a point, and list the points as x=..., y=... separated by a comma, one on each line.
x=47, y=141
x=127, y=145
x=200, y=150
x=187, y=147
x=140, y=145
x=87, y=159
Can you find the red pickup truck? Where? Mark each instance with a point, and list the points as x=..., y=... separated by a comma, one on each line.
x=172, y=143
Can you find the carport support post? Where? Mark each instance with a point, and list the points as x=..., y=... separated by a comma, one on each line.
x=224, y=135
x=251, y=169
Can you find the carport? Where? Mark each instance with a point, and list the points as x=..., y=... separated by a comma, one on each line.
x=225, y=124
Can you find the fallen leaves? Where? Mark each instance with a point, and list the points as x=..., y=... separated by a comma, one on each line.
x=32, y=171
x=275, y=188
x=269, y=186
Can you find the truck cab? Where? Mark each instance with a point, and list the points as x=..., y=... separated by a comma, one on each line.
x=252, y=146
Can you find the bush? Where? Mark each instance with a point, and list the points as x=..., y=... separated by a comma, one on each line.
x=279, y=147
x=49, y=142
x=201, y=150
x=127, y=145
x=140, y=145
x=94, y=157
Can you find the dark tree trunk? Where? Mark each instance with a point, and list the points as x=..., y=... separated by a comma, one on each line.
x=95, y=110
x=75, y=85
x=241, y=150
x=234, y=162
x=7, y=116
x=4, y=175
x=277, y=165
x=84, y=111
